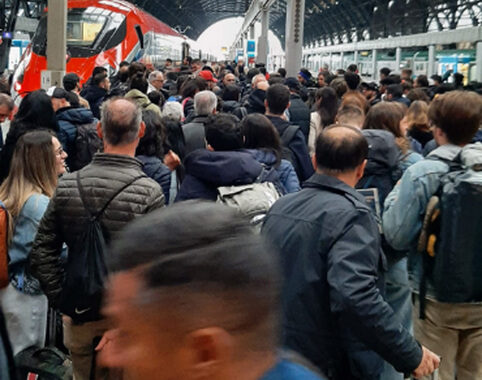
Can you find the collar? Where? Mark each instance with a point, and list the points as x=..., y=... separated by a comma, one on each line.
x=118, y=160
x=446, y=152
x=332, y=184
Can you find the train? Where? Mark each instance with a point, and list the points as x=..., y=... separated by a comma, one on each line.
x=458, y=60
x=104, y=33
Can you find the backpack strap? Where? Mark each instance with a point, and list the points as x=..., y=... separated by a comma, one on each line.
x=288, y=134
x=96, y=215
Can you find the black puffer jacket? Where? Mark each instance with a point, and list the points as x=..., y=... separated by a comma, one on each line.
x=334, y=313
x=65, y=216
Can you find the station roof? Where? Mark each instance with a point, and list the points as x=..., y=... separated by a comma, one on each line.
x=326, y=21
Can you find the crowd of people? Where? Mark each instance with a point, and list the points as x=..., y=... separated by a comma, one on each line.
x=223, y=222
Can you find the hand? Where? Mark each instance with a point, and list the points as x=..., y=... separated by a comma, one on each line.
x=429, y=363
x=108, y=336
x=172, y=160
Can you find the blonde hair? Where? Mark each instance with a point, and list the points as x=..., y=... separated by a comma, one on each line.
x=32, y=171
x=417, y=116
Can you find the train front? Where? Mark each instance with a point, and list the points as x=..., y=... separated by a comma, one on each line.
x=96, y=36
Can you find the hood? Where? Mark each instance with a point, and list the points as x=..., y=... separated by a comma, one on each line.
x=230, y=105
x=76, y=115
x=140, y=98
x=263, y=156
x=383, y=152
x=223, y=168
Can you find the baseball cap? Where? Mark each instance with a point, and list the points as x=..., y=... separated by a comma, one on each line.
x=57, y=93
x=207, y=75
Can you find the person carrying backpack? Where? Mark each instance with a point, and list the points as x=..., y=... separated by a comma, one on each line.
x=88, y=210
x=446, y=271
x=293, y=142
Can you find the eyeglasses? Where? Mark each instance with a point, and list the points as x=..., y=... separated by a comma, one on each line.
x=59, y=152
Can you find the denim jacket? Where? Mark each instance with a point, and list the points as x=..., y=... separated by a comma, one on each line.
x=25, y=230
x=405, y=206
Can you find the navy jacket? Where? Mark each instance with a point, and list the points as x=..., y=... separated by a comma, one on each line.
x=206, y=171
x=303, y=166
x=154, y=168
x=334, y=313
x=95, y=95
x=300, y=114
x=69, y=119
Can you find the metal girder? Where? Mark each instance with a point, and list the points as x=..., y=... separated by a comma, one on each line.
x=252, y=14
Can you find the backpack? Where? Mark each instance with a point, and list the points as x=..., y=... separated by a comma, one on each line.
x=451, y=238
x=194, y=137
x=87, y=143
x=47, y=363
x=3, y=246
x=286, y=153
x=382, y=171
x=86, y=270
x=253, y=200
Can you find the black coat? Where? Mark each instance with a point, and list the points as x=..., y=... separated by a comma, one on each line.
x=334, y=313
x=95, y=95
x=206, y=171
x=302, y=162
x=300, y=114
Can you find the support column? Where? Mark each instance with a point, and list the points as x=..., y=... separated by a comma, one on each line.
x=56, y=43
x=355, y=57
x=263, y=39
x=374, y=65
x=431, y=60
x=251, y=32
x=342, y=57
x=330, y=62
x=478, y=62
x=295, y=14
x=398, y=58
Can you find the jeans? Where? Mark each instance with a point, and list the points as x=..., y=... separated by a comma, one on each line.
x=399, y=296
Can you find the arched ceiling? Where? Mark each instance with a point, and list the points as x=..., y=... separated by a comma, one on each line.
x=327, y=21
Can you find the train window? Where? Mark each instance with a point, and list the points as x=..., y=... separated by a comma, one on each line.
x=89, y=31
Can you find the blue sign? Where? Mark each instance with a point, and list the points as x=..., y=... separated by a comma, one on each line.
x=7, y=35
x=251, y=46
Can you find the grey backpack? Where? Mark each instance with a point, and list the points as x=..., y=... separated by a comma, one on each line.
x=253, y=200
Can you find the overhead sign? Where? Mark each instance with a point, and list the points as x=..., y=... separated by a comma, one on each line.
x=251, y=46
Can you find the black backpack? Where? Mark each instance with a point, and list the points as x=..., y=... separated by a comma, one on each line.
x=286, y=153
x=87, y=143
x=451, y=238
x=47, y=363
x=86, y=271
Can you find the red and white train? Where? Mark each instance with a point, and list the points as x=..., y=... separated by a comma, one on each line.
x=103, y=33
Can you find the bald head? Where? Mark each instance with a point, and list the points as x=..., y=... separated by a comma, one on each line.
x=229, y=79
x=340, y=149
x=121, y=120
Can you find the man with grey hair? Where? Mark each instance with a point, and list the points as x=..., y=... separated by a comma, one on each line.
x=6, y=108
x=205, y=103
x=156, y=83
x=113, y=189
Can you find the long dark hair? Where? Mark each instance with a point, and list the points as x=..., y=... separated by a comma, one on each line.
x=36, y=109
x=151, y=143
x=35, y=112
x=260, y=133
x=326, y=105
